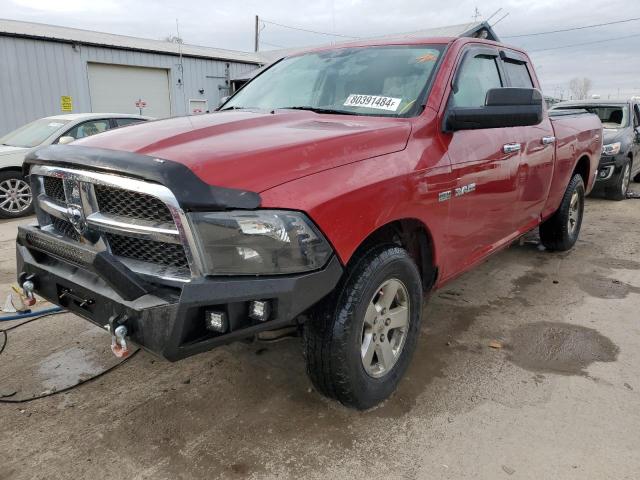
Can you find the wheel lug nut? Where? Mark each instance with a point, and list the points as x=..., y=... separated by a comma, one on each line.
x=384, y=310
x=387, y=322
x=375, y=320
x=374, y=337
x=382, y=338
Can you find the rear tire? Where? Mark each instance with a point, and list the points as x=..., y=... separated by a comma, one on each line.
x=359, y=340
x=16, y=199
x=619, y=191
x=561, y=231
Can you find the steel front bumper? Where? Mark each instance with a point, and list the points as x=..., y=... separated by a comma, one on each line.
x=166, y=320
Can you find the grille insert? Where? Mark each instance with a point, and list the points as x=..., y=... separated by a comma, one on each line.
x=54, y=188
x=126, y=203
x=65, y=228
x=167, y=254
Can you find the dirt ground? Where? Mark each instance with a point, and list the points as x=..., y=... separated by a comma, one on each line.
x=559, y=398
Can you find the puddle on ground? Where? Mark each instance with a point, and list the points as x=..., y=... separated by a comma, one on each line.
x=51, y=354
x=559, y=348
x=68, y=367
x=604, y=287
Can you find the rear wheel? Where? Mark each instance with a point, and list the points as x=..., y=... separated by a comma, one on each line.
x=561, y=231
x=15, y=195
x=360, y=340
x=619, y=191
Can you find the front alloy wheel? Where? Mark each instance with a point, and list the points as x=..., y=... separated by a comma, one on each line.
x=386, y=324
x=360, y=339
x=15, y=196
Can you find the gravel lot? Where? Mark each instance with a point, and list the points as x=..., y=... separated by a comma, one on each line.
x=559, y=397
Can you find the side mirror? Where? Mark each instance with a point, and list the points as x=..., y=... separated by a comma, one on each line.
x=66, y=139
x=504, y=107
x=637, y=130
x=223, y=100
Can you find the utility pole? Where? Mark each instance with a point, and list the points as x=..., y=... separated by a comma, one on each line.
x=257, y=35
x=477, y=15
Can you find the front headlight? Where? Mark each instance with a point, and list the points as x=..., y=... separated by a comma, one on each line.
x=611, y=149
x=259, y=242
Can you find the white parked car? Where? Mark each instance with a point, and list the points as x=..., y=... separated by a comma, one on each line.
x=15, y=192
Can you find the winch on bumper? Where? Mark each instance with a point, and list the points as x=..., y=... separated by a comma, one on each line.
x=170, y=321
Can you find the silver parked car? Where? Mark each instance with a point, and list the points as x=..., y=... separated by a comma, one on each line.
x=15, y=192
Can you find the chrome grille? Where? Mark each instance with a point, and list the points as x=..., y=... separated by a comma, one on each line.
x=138, y=222
x=126, y=203
x=54, y=188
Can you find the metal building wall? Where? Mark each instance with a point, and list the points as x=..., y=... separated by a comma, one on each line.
x=34, y=74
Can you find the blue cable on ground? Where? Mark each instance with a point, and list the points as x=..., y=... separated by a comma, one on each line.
x=20, y=316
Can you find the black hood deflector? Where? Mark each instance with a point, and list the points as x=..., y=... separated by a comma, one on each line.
x=192, y=193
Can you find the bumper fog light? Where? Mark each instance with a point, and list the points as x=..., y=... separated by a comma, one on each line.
x=216, y=321
x=260, y=310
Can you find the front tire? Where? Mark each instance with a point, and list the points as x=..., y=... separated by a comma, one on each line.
x=561, y=231
x=16, y=199
x=360, y=339
x=619, y=191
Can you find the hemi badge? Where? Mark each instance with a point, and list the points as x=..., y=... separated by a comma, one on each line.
x=444, y=196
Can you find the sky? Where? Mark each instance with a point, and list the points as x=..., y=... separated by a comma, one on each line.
x=612, y=65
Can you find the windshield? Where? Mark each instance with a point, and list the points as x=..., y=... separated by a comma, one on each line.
x=611, y=116
x=381, y=81
x=33, y=134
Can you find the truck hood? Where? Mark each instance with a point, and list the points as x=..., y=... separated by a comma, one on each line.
x=257, y=150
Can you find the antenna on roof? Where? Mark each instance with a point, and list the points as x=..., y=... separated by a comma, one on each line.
x=500, y=19
x=181, y=69
x=493, y=14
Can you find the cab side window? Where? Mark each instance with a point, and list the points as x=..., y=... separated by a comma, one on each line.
x=518, y=74
x=476, y=76
x=89, y=128
x=636, y=121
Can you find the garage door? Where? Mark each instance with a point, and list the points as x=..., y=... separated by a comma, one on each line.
x=116, y=88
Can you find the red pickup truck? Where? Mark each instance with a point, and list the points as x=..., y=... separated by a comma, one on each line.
x=333, y=192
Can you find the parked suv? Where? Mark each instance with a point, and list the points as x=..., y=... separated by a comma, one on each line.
x=620, y=160
x=331, y=192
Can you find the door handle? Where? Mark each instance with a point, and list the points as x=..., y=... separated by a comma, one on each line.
x=548, y=140
x=511, y=147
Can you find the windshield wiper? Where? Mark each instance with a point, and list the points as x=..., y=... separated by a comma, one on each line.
x=320, y=110
x=232, y=107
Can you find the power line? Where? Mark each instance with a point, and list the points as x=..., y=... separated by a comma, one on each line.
x=262, y=42
x=585, y=43
x=307, y=30
x=573, y=28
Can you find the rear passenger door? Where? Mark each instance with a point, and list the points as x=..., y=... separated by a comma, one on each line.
x=482, y=202
x=535, y=166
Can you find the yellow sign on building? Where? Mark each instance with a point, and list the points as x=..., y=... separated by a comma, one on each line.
x=66, y=104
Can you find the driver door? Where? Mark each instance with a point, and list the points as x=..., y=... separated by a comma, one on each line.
x=484, y=165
